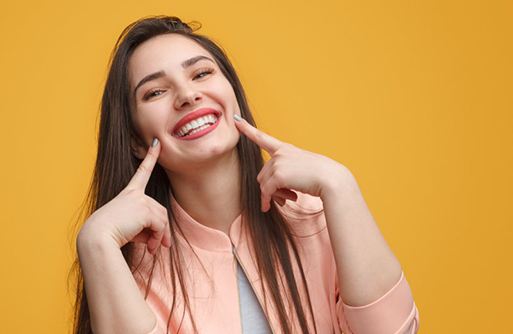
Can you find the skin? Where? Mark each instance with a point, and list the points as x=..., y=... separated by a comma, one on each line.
x=204, y=175
x=204, y=172
x=366, y=266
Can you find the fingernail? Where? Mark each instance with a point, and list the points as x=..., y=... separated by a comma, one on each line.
x=237, y=117
x=154, y=142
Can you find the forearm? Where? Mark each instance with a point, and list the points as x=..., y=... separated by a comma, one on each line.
x=366, y=266
x=115, y=303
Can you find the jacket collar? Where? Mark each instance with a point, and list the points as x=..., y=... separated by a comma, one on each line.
x=205, y=237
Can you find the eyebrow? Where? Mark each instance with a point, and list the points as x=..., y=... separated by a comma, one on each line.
x=161, y=73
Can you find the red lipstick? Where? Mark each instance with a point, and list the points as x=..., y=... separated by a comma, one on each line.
x=195, y=115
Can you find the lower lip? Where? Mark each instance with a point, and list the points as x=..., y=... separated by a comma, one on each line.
x=202, y=132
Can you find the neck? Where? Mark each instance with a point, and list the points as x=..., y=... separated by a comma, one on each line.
x=210, y=194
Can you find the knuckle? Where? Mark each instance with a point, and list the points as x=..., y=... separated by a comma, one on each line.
x=285, y=149
x=278, y=174
x=142, y=169
x=159, y=224
x=264, y=188
x=165, y=218
x=129, y=191
x=275, y=173
x=163, y=210
x=282, y=150
x=259, y=136
x=146, y=209
x=148, y=215
x=143, y=200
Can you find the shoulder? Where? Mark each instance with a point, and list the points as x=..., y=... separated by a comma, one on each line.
x=305, y=215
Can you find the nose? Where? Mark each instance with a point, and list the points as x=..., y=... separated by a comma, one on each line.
x=186, y=97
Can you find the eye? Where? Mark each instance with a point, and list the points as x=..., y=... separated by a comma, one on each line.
x=203, y=73
x=152, y=94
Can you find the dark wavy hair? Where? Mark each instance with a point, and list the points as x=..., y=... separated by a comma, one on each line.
x=116, y=164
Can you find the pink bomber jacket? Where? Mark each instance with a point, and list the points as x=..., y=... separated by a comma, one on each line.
x=211, y=278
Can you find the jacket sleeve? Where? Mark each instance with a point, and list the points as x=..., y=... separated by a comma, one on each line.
x=157, y=298
x=393, y=313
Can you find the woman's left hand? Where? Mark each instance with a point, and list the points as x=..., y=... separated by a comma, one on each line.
x=291, y=168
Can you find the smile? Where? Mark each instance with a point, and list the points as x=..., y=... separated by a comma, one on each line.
x=197, y=127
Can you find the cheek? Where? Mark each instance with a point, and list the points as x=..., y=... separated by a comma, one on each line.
x=225, y=93
x=150, y=124
x=231, y=105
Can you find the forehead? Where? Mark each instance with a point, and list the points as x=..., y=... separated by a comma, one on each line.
x=163, y=52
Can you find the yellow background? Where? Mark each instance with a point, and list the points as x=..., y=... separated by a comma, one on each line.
x=415, y=97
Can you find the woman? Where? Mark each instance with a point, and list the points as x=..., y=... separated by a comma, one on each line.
x=180, y=175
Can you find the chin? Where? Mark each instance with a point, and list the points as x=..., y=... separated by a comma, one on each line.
x=221, y=149
x=207, y=154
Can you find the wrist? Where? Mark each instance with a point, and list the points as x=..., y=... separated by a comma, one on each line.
x=91, y=237
x=340, y=182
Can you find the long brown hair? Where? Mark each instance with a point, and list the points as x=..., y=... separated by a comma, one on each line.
x=116, y=164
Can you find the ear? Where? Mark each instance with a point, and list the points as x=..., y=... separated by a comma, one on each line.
x=137, y=149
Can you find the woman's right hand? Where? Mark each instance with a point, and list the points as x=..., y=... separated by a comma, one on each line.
x=132, y=215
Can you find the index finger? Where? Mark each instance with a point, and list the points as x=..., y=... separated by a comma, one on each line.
x=143, y=173
x=262, y=139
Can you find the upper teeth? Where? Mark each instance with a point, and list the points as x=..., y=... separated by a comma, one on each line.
x=196, y=124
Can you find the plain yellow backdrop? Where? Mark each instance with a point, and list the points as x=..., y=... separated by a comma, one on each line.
x=414, y=97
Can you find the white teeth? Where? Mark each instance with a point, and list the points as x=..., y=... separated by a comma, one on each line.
x=196, y=124
x=199, y=129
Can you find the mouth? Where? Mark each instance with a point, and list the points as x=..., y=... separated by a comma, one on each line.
x=197, y=124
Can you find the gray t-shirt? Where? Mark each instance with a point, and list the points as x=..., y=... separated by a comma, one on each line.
x=252, y=316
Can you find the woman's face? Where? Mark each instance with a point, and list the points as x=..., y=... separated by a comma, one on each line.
x=166, y=104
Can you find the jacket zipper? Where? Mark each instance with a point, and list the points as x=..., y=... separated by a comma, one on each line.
x=250, y=283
